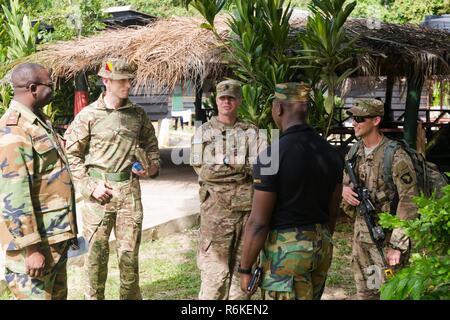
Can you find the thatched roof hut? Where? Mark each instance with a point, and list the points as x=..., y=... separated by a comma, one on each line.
x=168, y=51
x=165, y=52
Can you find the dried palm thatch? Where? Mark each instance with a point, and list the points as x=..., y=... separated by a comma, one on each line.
x=168, y=51
x=164, y=52
x=395, y=49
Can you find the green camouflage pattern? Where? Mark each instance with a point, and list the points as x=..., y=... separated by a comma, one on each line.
x=116, y=69
x=52, y=285
x=225, y=202
x=106, y=140
x=292, y=92
x=295, y=264
x=124, y=215
x=230, y=88
x=370, y=172
x=37, y=195
x=367, y=107
x=242, y=151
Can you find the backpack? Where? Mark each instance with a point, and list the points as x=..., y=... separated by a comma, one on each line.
x=429, y=179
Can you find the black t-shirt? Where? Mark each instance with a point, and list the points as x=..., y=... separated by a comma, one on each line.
x=309, y=170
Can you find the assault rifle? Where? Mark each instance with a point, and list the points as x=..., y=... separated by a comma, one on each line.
x=367, y=210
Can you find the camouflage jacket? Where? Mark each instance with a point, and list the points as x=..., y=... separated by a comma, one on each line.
x=37, y=195
x=370, y=172
x=223, y=156
x=106, y=140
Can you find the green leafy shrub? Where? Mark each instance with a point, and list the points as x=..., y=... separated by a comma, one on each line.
x=428, y=275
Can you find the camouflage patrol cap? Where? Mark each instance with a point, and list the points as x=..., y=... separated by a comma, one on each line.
x=292, y=92
x=116, y=69
x=367, y=108
x=230, y=88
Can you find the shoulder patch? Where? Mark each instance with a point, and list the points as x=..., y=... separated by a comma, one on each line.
x=406, y=178
x=13, y=118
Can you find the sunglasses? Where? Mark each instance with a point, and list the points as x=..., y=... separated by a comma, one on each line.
x=360, y=119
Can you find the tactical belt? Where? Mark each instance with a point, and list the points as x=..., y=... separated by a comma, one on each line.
x=115, y=177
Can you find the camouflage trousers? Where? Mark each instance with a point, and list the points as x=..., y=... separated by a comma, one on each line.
x=295, y=263
x=51, y=286
x=124, y=214
x=219, y=251
x=367, y=264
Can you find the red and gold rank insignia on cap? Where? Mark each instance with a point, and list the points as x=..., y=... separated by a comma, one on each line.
x=109, y=67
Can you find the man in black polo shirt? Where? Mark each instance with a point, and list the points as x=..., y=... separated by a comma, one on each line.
x=294, y=210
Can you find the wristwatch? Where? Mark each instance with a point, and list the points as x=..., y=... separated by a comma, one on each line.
x=244, y=271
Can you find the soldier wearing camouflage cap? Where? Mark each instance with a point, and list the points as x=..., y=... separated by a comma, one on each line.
x=222, y=152
x=37, y=198
x=294, y=208
x=368, y=155
x=103, y=142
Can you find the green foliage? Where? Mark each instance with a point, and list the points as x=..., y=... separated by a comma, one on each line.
x=326, y=54
x=256, y=49
x=413, y=11
x=21, y=36
x=70, y=18
x=428, y=276
x=18, y=40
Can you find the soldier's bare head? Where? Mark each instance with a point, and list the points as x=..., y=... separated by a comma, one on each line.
x=32, y=84
x=284, y=113
x=28, y=73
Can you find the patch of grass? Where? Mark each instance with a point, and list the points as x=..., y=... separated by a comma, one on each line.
x=340, y=275
x=167, y=270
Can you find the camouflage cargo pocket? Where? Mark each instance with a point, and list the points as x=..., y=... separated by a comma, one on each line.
x=242, y=199
x=203, y=194
x=278, y=283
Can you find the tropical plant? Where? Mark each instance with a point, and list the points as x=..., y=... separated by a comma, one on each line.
x=256, y=49
x=21, y=34
x=325, y=56
x=428, y=275
x=18, y=39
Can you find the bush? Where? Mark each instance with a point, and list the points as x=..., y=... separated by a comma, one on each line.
x=428, y=275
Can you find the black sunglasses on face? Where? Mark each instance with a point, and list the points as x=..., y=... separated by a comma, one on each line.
x=360, y=119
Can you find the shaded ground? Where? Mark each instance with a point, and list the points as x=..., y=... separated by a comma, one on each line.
x=168, y=269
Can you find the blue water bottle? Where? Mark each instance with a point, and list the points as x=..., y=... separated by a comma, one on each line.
x=138, y=166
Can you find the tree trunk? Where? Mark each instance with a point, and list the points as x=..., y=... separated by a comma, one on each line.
x=415, y=83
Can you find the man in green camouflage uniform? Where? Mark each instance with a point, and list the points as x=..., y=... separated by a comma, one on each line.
x=103, y=142
x=367, y=263
x=222, y=152
x=37, y=201
x=294, y=208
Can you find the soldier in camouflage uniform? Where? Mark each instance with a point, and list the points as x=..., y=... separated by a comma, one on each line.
x=103, y=142
x=222, y=152
x=367, y=115
x=37, y=201
x=294, y=208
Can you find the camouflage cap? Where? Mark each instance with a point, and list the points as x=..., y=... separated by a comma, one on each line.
x=230, y=88
x=292, y=92
x=116, y=69
x=367, y=108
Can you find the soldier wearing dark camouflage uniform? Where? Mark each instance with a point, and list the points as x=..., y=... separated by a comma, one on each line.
x=369, y=169
x=103, y=142
x=37, y=201
x=221, y=154
x=294, y=208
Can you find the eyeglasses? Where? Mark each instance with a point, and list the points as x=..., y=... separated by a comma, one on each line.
x=50, y=85
x=360, y=119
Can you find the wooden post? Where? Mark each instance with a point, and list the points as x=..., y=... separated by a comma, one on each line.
x=415, y=82
x=388, y=113
x=200, y=114
x=81, y=98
